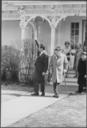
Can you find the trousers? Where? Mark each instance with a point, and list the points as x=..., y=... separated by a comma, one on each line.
x=54, y=88
x=42, y=86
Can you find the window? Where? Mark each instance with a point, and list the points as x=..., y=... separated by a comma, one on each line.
x=74, y=33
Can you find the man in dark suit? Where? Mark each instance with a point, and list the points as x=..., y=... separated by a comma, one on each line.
x=41, y=66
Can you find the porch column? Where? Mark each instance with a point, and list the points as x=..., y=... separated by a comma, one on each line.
x=52, y=39
x=22, y=35
x=54, y=22
x=35, y=32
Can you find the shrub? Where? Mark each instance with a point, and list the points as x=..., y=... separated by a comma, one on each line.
x=27, y=61
x=10, y=63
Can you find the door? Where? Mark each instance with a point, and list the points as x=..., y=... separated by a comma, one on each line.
x=83, y=30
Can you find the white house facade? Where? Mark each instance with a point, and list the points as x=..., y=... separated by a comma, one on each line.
x=48, y=22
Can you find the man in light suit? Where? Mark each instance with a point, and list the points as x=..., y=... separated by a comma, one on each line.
x=58, y=65
x=41, y=66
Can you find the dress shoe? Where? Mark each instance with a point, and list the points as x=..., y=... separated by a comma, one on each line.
x=43, y=94
x=78, y=91
x=35, y=94
x=56, y=96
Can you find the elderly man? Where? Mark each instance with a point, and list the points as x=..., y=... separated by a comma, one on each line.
x=41, y=66
x=58, y=65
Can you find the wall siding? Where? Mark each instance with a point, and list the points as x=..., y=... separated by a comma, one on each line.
x=11, y=32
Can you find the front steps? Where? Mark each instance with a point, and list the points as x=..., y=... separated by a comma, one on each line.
x=70, y=80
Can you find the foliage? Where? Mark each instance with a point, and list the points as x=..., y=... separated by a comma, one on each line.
x=10, y=60
x=18, y=65
x=27, y=60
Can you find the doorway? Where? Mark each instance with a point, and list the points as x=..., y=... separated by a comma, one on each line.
x=83, y=31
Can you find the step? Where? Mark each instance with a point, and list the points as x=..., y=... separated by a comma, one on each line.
x=69, y=84
x=71, y=73
x=71, y=79
x=66, y=83
x=70, y=76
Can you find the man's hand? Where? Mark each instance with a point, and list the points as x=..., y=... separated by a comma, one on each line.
x=65, y=71
x=85, y=76
x=43, y=73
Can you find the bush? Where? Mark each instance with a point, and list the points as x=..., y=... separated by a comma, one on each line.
x=27, y=61
x=10, y=60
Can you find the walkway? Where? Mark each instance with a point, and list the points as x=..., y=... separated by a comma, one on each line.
x=22, y=105
x=68, y=112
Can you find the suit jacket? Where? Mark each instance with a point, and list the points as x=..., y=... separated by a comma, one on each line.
x=82, y=67
x=81, y=72
x=41, y=65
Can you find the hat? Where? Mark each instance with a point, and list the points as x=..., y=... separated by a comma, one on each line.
x=42, y=46
x=58, y=48
x=67, y=42
x=84, y=53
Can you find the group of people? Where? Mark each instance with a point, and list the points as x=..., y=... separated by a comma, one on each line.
x=80, y=67
x=77, y=60
x=57, y=66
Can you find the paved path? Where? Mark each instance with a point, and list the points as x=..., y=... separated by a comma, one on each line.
x=20, y=107
x=67, y=112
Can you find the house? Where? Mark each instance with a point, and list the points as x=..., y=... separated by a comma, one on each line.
x=48, y=22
